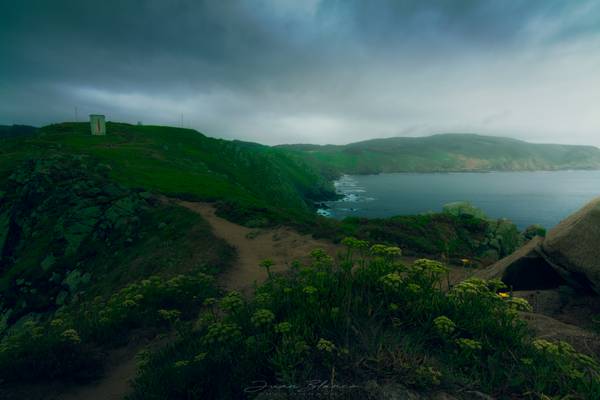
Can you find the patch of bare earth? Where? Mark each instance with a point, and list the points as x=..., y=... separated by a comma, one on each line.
x=282, y=245
x=115, y=384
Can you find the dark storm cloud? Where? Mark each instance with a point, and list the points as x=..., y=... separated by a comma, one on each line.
x=313, y=71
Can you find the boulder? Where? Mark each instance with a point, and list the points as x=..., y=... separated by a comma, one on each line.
x=570, y=253
x=573, y=246
x=525, y=269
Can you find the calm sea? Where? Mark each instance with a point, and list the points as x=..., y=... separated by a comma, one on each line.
x=523, y=197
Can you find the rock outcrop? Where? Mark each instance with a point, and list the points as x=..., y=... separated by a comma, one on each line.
x=570, y=253
x=53, y=212
x=573, y=246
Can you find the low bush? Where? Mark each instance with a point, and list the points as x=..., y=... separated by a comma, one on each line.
x=33, y=352
x=150, y=303
x=360, y=318
x=63, y=348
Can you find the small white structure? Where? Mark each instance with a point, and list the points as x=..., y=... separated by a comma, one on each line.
x=98, y=124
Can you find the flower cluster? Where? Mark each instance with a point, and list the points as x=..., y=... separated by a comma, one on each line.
x=223, y=333
x=378, y=249
x=468, y=344
x=325, y=345
x=430, y=267
x=283, y=327
x=71, y=335
x=232, y=302
x=309, y=290
x=263, y=299
x=414, y=289
x=519, y=304
x=444, y=325
x=469, y=288
x=321, y=259
x=169, y=315
x=392, y=281
x=262, y=317
x=354, y=243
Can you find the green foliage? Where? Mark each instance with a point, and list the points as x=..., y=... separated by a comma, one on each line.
x=463, y=208
x=62, y=347
x=33, y=352
x=266, y=183
x=152, y=302
x=102, y=258
x=365, y=318
x=534, y=230
x=72, y=233
x=441, y=235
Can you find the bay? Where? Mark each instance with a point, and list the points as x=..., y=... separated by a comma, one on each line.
x=541, y=197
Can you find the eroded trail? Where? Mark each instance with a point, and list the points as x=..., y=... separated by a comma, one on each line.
x=282, y=245
x=116, y=384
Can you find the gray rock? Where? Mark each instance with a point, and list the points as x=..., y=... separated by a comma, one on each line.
x=569, y=253
x=573, y=246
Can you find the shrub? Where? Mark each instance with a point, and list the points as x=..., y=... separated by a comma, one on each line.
x=151, y=302
x=363, y=319
x=33, y=352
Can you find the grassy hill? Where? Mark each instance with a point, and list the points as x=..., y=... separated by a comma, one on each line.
x=445, y=152
x=246, y=177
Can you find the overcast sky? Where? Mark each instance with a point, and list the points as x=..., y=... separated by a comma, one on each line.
x=310, y=71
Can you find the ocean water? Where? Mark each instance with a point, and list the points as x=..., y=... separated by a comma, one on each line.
x=544, y=197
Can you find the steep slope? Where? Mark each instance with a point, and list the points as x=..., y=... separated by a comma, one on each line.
x=183, y=162
x=445, y=152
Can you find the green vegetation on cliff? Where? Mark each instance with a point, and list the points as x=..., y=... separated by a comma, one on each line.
x=445, y=152
x=75, y=251
x=184, y=163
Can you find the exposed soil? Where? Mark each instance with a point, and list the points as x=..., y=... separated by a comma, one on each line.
x=282, y=245
x=115, y=384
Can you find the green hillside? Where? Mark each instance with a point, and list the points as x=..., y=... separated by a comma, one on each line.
x=95, y=258
x=91, y=250
x=445, y=152
x=184, y=163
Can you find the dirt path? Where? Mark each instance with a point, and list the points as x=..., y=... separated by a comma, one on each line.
x=282, y=245
x=116, y=384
